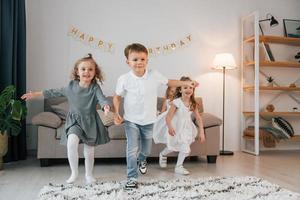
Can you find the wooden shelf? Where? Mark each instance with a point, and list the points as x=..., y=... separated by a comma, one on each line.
x=275, y=39
x=288, y=64
x=276, y=88
x=295, y=138
x=272, y=114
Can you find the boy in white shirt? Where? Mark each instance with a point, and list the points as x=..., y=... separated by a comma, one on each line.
x=139, y=89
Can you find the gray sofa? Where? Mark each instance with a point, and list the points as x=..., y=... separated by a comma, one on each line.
x=50, y=127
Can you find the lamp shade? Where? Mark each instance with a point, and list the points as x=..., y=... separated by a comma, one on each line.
x=273, y=22
x=224, y=60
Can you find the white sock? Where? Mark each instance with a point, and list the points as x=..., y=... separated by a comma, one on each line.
x=166, y=151
x=72, y=145
x=89, y=157
x=180, y=159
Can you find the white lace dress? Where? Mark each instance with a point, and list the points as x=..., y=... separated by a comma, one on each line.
x=185, y=129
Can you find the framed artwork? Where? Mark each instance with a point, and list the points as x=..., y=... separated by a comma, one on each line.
x=291, y=28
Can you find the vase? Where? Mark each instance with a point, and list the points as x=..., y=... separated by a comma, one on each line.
x=3, y=147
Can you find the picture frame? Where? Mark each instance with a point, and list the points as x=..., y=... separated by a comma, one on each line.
x=291, y=28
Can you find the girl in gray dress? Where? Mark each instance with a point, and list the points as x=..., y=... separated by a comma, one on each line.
x=83, y=125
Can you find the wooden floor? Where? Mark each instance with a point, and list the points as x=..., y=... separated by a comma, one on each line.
x=24, y=179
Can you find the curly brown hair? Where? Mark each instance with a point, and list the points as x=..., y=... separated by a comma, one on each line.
x=98, y=75
x=194, y=105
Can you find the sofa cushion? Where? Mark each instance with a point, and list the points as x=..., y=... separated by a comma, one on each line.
x=108, y=119
x=48, y=119
x=117, y=132
x=61, y=109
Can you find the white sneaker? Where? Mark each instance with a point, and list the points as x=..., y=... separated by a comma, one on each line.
x=162, y=161
x=181, y=170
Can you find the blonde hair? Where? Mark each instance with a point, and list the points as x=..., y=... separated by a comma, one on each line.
x=178, y=94
x=98, y=73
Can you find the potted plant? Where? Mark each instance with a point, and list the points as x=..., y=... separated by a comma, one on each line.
x=12, y=111
x=270, y=81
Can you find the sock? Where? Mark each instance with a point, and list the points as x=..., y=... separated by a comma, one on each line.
x=89, y=157
x=180, y=159
x=72, y=146
x=166, y=151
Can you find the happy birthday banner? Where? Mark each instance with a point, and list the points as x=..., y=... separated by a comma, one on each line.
x=108, y=46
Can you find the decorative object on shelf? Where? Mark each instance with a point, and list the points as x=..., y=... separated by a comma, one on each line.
x=283, y=125
x=292, y=85
x=271, y=18
x=270, y=107
x=295, y=109
x=224, y=61
x=270, y=81
x=291, y=28
x=297, y=56
x=12, y=111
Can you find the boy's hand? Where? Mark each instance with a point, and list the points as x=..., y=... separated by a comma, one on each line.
x=171, y=131
x=106, y=109
x=118, y=119
x=194, y=84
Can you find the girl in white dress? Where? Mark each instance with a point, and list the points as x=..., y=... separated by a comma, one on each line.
x=176, y=129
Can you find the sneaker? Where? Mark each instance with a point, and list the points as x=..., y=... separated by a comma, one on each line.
x=181, y=170
x=162, y=161
x=143, y=167
x=131, y=184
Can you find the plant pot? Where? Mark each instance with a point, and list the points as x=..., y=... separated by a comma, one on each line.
x=3, y=148
x=270, y=84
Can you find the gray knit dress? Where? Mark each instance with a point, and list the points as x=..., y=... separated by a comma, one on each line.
x=82, y=118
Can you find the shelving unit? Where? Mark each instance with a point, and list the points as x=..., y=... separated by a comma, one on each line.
x=254, y=92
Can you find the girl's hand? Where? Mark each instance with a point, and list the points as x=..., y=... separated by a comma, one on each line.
x=118, y=119
x=31, y=95
x=106, y=109
x=171, y=131
x=201, y=137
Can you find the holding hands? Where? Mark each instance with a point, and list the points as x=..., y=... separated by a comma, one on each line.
x=106, y=109
x=118, y=119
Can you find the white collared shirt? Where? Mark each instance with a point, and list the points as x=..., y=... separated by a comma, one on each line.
x=140, y=95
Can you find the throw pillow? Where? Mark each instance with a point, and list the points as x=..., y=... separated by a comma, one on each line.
x=284, y=126
x=47, y=119
x=61, y=109
x=108, y=119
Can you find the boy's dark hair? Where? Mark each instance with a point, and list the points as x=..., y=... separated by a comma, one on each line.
x=135, y=47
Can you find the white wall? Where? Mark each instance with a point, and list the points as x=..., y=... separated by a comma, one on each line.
x=213, y=24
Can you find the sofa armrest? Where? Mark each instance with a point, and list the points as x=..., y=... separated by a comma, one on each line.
x=209, y=120
x=47, y=119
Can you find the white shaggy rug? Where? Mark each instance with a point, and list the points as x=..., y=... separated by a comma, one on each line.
x=237, y=188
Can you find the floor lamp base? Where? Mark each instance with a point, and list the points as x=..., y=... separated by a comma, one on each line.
x=226, y=153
